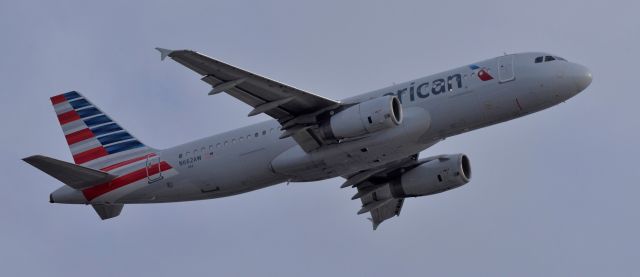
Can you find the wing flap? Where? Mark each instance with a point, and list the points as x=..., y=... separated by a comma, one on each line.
x=374, y=189
x=386, y=211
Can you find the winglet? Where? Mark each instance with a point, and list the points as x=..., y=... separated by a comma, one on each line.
x=164, y=52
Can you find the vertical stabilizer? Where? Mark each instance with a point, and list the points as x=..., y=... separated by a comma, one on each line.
x=94, y=139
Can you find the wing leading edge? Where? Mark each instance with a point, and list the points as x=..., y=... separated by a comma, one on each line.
x=295, y=109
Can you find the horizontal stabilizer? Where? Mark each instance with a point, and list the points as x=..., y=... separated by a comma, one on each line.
x=106, y=211
x=75, y=176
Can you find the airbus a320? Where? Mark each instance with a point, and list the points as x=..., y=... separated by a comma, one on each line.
x=371, y=140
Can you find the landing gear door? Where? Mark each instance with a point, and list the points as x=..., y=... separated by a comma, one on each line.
x=153, y=169
x=505, y=69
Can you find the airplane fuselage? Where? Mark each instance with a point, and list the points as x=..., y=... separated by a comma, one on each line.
x=435, y=107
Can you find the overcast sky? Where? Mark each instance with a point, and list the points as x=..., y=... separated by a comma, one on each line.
x=553, y=194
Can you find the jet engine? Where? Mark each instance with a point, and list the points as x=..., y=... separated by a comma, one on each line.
x=364, y=118
x=440, y=174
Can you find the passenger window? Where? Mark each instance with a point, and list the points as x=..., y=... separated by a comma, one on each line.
x=549, y=58
x=226, y=143
x=264, y=132
x=240, y=139
x=538, y=59
x=218, y=145
x=233, y=141
x=248, y=136
x=256, y=135
x=210, y=150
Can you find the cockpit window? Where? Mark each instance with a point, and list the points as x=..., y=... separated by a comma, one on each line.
x=548, y=59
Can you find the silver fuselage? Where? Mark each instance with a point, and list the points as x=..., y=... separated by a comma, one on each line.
x=254, y=157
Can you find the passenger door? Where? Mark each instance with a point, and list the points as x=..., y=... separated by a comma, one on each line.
x=505, y=69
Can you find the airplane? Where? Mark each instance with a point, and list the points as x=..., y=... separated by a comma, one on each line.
x=371, y=140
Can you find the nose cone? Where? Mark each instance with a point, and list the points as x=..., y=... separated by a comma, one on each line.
x=581, y=76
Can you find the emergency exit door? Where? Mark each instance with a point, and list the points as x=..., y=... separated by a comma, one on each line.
x=154, y=173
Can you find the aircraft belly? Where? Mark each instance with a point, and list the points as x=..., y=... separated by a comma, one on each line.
x=363, y=153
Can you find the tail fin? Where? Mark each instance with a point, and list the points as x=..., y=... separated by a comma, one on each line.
x=95, y=141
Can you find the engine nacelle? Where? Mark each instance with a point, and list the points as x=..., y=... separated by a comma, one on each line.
x=440, y=174
x=364, y=118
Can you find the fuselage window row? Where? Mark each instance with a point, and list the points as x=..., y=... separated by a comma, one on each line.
x=226, y=143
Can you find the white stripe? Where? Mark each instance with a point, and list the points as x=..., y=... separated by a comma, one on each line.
x=131, y=139
x=100, y=125
x=86, y=107
x=73, y=127
x=62, y=107
x=96, y=115
x=119, y=131
x=76, y=99
x=84, y=145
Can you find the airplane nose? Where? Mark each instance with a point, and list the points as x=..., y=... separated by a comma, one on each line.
x=582, y=77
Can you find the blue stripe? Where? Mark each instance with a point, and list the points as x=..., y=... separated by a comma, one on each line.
x=97, y=120
x=71, y=95
x=124, y=146
x=474, y=67
x=79, y=103
x=105, y=129
x=88, y=112
x=108, y=139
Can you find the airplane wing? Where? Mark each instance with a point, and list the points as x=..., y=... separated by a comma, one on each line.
x=374, y=190
x=295, y=109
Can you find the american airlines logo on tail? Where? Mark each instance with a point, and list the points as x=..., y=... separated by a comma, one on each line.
x=99, y=143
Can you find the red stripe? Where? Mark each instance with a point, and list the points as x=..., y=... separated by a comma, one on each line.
x=58, y=99
x=90, y=155
x=67, y=117
x=121, y=164
x=79, y=136
x=121, y=181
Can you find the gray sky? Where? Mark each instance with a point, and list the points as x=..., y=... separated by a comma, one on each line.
x=553, y=194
